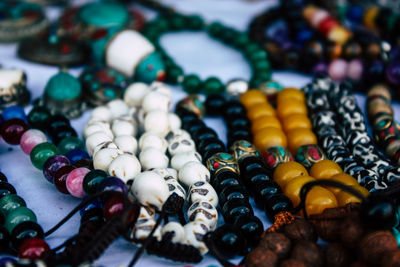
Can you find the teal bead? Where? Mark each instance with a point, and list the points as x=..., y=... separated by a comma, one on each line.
x=257, y=56
x=174, y=73
x=18, y=216
x=396, y=235
x=92, y=180
x=194, y=22
x=213, y=86
x=150, y=69
x=191, y=84
x=162, y=24
x=228, y=35
x=9, y=203
x=41, y=153
x=104, y=14
x=255, y=82
x=251, y=48
x=177, y=22
x=62, y=87
x=70, y=142
x=216, y=29
x=261, y=65
x=241, y=40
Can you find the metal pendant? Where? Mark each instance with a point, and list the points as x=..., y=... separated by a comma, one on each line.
x=13, y=89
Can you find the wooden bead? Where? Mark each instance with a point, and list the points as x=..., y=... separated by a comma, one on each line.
x=325, y=169
x=276, y=242
x=309, y=253
x=259, y=110
x=293, y=187
x=374, y=246
x=299, y=230
x=265, y=121
x=299, y=137
x=261, y=257
x=269, y=137
x=318, y=199
x=288, y=171
x=252, y=97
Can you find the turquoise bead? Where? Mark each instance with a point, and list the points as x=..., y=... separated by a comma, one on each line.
x=69, y=143
x=63, y=86
x=150, y=69
x=9, y=203
x=104, y=14
x=42, y=152
x=17, y=216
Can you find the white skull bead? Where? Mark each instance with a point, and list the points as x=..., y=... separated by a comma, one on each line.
x=179, y=160
x=125, y=167
x=126, y=143
x=117, y=108
x=156, y=121
x=104, y=157
x=152, y=158
x=194, y=233
x=177, y=132
x=156, y=101
x=95, y=139
x=134, y=94
x=161, y=88
x=150, y=189
x=205, y=212
x=175, y=122
x=145, y=223
x=203, y=191
x=153, y=140
x=178, y=233
x=97, y=126
x=193, y=172
x=180, y=144
x=101, y=113
x=167, y=173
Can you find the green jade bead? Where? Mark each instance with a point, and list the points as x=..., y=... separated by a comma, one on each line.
x=191, y=84
x=70, y=143
x=241, y=40
x=9, y=203
x=17, y=216
x=92, y=180
x=174, y=73
x=41, y=153
x=195, y=22
x=38, y=117
x=216, y=28
x=177, y=22
x=213, y=86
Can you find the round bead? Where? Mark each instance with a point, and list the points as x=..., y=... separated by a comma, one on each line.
x=14, y=112
x=291, y=107
x=24, y=231
x=174, y=121
x=191, y=84
x=265, y=121
x=342, y=178
x=3, y=178
x=60, y=178
x=77, y=154
x=152, y=140
x=318, y=199
x=102, y=113
x=179, y=160
x=252, y=97
x=156, y=121
x=155, y=100
x=4, y=241
x=17, y=216
x=126, y=143
x=294, y=121
x=393, y=72
x=213, y=86
x=9, y=203
x=153, y=158
x=117, y=107
x=269, y=137
x=74, y=182
x=33, y=248
x=38, y=117
x=135, y=93
x=113, y=184
x=355, y=70
x=6, y=189
x=338, y=69
x=236, y=87
x=293, y=187
x=104, y=157
x=176, y=229
x=30, y=139
x=274, y=156
x=299, y=137
x=95, y=139
x=69, y=143
x=325, y=169
x=12, y=130
x=41, y=153
x=229, y=240
x=287, y=171
x=113, y=206
x=193, y=172
x=52, y=165
x=92, y=180
x=125, y=167
x=260, y=110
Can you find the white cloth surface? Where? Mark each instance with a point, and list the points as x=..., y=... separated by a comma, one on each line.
x=196, y=53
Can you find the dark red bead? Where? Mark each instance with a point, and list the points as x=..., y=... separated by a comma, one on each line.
x=33, y=248
x=327, y=25
x=61, y=176
x=114, y=205
x=12, y=130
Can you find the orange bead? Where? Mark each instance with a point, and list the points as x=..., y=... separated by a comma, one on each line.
x=325, y=169
x=263, y=122
x=339, y=34
x=296, y=121
x=369, y=17
x=290, y=107
x=290, y=93
x=293, y=187
x=287, y=171
x=252, y=97
x=269, y=137
x=258, y=110
x=318, y=199
x=343, y=178
x=299, y=137
x=345, y=198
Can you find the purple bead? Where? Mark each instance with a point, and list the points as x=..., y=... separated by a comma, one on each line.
x=338, y=69
x=320, y=68
x=393, y=72
x=113, y=184
x=355, y=70
x=52, y=165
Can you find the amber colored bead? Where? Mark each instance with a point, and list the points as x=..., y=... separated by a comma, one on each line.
x=253, y=97
x=339, y=34
x=342, y=178
x=318, y=199
x=296, y=121
x=12, y=130
x=260, y=110
x=300, y=137
x=325, y=169
x=288, y=171
x=290, y=93
x=290, y=107
x=265, y=121
x=344, y=198
x=369, y=17
x=293, y=187
x=269, y=137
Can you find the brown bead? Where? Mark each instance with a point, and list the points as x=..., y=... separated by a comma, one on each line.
x=375, y=245
x=328, y=229
x=351, y=231
x=261, y=257
x=358, y=264
x=292, y=263
x=299, y=230
x=276, y=242
x=309, y=253
x=373, y=51
x=380, y=90
x=337, y=255
x=352, y=50
x=391, y=259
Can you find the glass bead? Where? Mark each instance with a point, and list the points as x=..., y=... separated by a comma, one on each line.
x=252, y=97
x=276, y=204
x=113, y=184
x=250, y=164
x=239, y=133
x=113, y=206
x=25, y=230
x=41, y=153
x=233, y=109
x=56, y=121
x=38, y=117
x=30, y=139
x=17, y=216
x=174, y=74
x=210, y=144
x=86, y=163
x=293, y=187
x=213, y=86
x=236, y=207
x=6, y=189
x=214, y=105
x=260, y=110
x=229, y=240
x=241, y=121
x=191, y=84
x=69, y=143
x=92, y=181
x=74, y=182
x=276, y=155
x=14, y=112
x=223, y=179
x=203, y=133
x=255, y=179
x=76, y=154
x=269, y=137
x=59, y=133
x=264, y=191
x=9, y=203
x=33, y=249
x=287, y=171
x=94, y=204
x=4, y=239
x=325, y=169
x=318, y=199
x=60, y=178
x=231, y=192
x=3, y=178
x=52, y=165
x=12, y=130
x=251, y=227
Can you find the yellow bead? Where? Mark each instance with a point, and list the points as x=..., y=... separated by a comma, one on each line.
x=258, y=110
x=339, y=35
x=290, y=93
x=343, y=178
x=325, y=169
x=290, y=107
x=252, y=97
x=263, y=122
x=296, y=121
x=299, y=137
x=345, y=198
x=369, y=17
x=293, y=187
x=318, y=199
x=269, y=137
x=287, y=171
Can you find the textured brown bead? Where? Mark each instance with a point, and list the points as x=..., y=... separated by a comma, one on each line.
x=276, y=242
x=328, y=229
x=351, y=231
x=375, y=245
x=261, y=257
x=337, y=255
x=391, y=259
x=292, y=263
x=299, y=230
x=309, y=253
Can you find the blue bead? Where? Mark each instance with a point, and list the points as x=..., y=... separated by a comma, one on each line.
x=77, y=154
x=91, y=205
x=304, y=35
x=14, y=112
x=355, y=13
x=113, y=184
x=5, y=260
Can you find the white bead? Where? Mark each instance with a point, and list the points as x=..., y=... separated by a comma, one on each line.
x=102, y=112
x=167, y=173
x=124, y=166
x=177, y=132
x=134, y=94
x=9, y=77
x=152, y=158
x=156, y=121
x=180, y=144
x=161, y=88
x=179, y=160
x=95, y=139
x=156, y=101
x=205, y=212
x=140, y=114
x=193, y=172
x=153, y=140
x=175, y=122
x=121, y=127
x=145, y=223
x=126, y=143
x=178, y=233
x=103, y=145
x=203, y=191
x=98, y=126
x=104, y=157
x=117, y=108
x=194, y=232
x=150, y=189
x=132, y=111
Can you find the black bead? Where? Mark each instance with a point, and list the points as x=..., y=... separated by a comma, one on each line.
x=214, y=105
x=57, y=120
x=210, y=144
x=236, y=207
x=379, y=214
x=277, y=203
x=189, y=117
x=38, y=117
x=193, y=126
x=25, y=230
x=4, y=238
x=228, y=240
x=224, y=179
x=251, y=227
x=264, y=191
x=257, y=180
x=203, y=133
x=231, y=192
x=233, y=109
x=241, y=121
x=6, y=189
x=249, y=164
x=94, y=214
x=60, y=132
x=3, y=178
